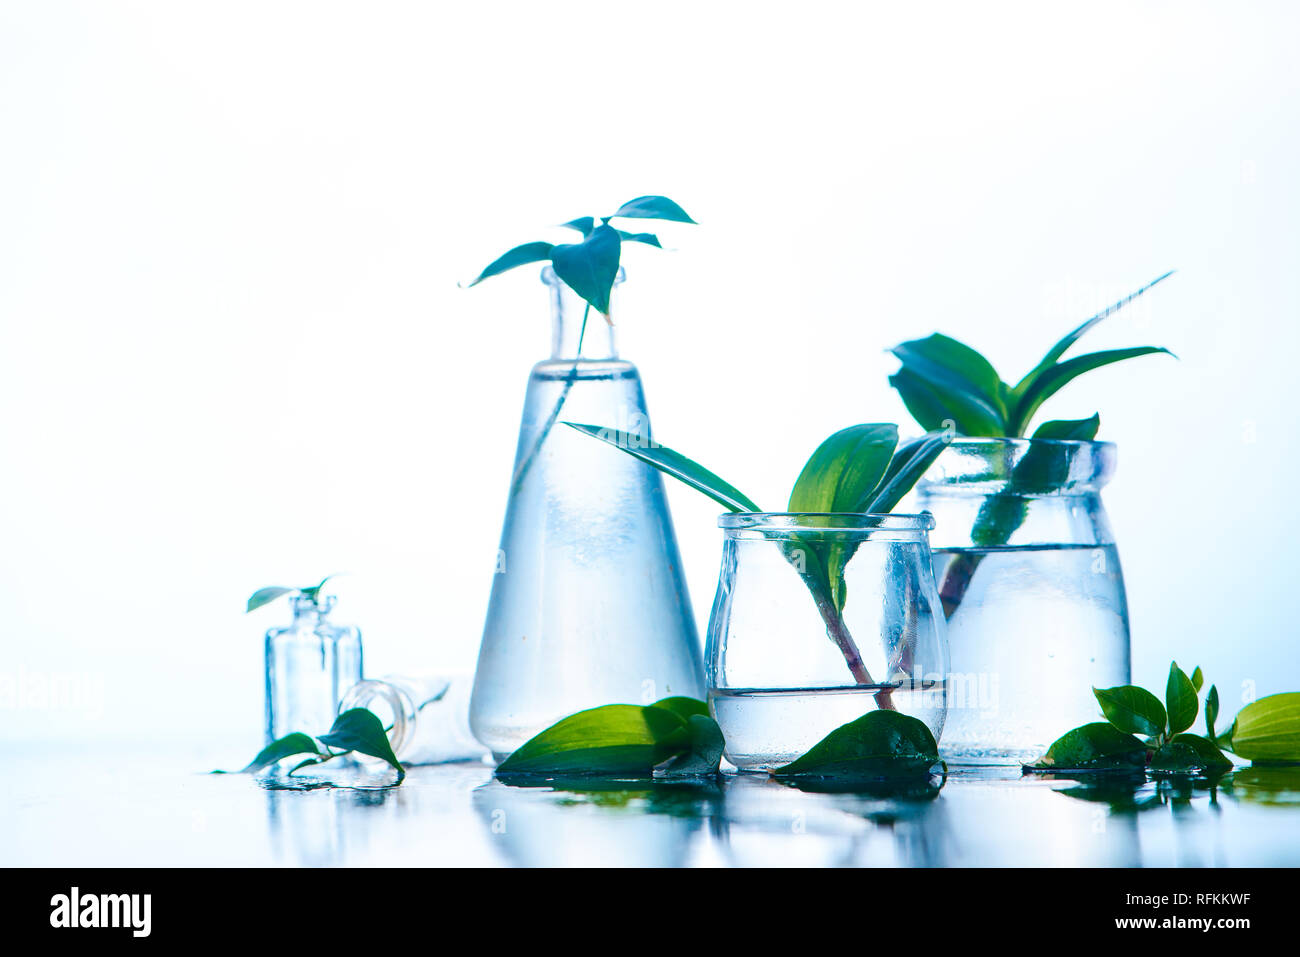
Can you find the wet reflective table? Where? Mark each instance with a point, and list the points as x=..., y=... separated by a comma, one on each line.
x=97, y=808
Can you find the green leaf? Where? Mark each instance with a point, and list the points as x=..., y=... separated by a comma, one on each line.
x=845, y=469
x=314, y=591
x=652, y=207
x=1132, y=709
x=1070, y=430
x=923, y=402
x=959, y=380
x=650, y=239
x=1268, y=729
x=1189, y=754
x=519, y=256
x=281, y=748
x=674, y=464
x=703, y=754
x=1093, y=747
x=361, y=731
x=907, y=466
x=1198, y=679
x=1072, y=337
x=881, y=744
x=591, y=266
x=584, y=224
x=613, y=739
x=265, y=596
x=1180, y=700
x=684, y=707
x=1211, y=710
x=1043, y=385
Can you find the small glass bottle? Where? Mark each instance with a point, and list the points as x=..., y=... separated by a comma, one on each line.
x=428, y=716
x=309, y=665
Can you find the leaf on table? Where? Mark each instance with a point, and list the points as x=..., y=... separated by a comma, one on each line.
x=359, y=730
x=1099, y=746
x=703, y=754
x=1132, y=709
x=879, y=745
x=615, y=739
x=281, y=748
x=674, y=464
x=1189, y=754
x=1180, y=700
x=590, y=267
x=519, y=256
x=1267, y=730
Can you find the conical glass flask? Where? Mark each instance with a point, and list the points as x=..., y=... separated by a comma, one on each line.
x=589, y=604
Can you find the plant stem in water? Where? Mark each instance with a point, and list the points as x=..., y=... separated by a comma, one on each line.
x=839, y=634
x=522, y=471
x=956, y=579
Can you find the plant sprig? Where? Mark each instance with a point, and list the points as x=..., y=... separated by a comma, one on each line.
x=264, y=596
x=590, y=267
x=947, y=384
x=1141, y=731
x=861, y=469
x=356, y=729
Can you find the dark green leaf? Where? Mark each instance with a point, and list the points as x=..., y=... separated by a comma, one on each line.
x=959, y=379
x=923, y=402
x=1189, y=754
x=650, y=239
x=519, y=256
x=653, y=207
x=1071, y=430
x=361, y=731
x=281, y=748
x=704, y=754
x=1198, y=679
x=583, y=225
x=674, y=464
x=314, y=591
x=905, y=468
x=614, y=739
x=1211, y=710
x=1267, y=730
x=1093, y=747
x=591, y=266
x=1072, y=337
x=881, y=744
x=1180, y=700
x=1043, y=385
x=1132, y=709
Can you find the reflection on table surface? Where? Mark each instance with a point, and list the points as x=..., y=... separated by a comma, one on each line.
x=148, y=809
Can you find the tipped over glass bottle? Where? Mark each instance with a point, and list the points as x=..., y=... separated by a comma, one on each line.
x=309, y=665
x=589, y=604
x=427, y=716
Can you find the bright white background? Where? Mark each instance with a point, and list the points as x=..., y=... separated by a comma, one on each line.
x=235, y=354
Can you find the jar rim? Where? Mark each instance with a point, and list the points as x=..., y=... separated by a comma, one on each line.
x=828, y=521
x=991, y=465
x=1026, y=442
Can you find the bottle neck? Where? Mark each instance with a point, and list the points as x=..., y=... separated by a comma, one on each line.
x=308, y=613
x=578, y=331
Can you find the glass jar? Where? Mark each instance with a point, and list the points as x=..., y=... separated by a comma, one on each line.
x=589, y=604
x=1032, y=589
x=427, y=716
x=784, y=667
x=309, y=665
